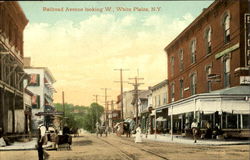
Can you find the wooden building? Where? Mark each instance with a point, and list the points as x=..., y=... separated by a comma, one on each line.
x=12, y=24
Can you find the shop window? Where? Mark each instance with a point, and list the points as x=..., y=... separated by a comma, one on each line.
x=232, y=121
x=246, y=121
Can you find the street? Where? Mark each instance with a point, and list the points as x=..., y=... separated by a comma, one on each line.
x=90, y=147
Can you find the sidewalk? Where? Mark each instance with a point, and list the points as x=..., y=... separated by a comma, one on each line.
x=21, y=146
x=184, y=140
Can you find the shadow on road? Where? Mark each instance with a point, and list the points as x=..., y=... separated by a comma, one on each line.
x=82, y=143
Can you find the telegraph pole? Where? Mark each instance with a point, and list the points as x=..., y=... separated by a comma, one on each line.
x=121, y=82
x=136, y=94
x=96, y=98
x=63, y=108
x=106, y=103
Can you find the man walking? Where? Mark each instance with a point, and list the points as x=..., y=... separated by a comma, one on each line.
x=194, y=127
x=41, y=140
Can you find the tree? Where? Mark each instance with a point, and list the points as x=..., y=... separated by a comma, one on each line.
x=81, y=116
x=92, y=116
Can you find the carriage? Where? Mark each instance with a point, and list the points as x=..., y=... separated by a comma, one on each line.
x=101, y=130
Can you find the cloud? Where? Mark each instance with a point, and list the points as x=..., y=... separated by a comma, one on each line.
x=82, y=56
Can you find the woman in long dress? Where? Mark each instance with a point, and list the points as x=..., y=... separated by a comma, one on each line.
x=138, y=138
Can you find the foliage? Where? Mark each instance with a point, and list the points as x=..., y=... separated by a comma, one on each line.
x=81, y=116
x=92, y=116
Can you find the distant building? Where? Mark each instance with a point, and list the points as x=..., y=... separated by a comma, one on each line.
x=41, y=85
x=12, y=24
x=209, y=69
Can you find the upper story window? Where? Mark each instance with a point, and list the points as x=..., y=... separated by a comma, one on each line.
x=193, y=84
x=36, y=101
x=159, y=100
x=209, y=84
x=208, y=43
x=193, y=50
x=226, y=27
x=226, y=66
x=164, y=96
x=181, y=88
x=34, y=80
x=181, y=59
x=172, y=92
x=172, y=66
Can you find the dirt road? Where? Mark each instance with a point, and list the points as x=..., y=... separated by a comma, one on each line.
x=90, y=147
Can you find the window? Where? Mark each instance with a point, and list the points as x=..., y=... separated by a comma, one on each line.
x=226, y=27
x=226, y=64
x=172, y=65
x=193, y=84
x=159, y=100
x=172, y=92
x=164, y=98
x=34, y=80
x=209, y=84
x=155, y=101
x=181, y=59
x=181, y=88
x=193, y=50
x=36, y=101
x=208, y=40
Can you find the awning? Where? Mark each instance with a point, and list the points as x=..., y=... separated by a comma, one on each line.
x=182, y=108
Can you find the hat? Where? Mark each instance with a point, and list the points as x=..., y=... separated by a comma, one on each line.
x=40, y=125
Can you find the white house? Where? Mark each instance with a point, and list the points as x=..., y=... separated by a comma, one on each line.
x=41, y=85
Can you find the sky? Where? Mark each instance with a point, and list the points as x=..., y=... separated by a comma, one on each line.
x=82, y=42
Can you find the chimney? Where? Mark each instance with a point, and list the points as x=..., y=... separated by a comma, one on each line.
x=26, y=61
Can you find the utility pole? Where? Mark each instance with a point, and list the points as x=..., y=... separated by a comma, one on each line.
x=121, y=82
x=96, y=98
x=63, y=108
x=106, y=103
x=136, y=94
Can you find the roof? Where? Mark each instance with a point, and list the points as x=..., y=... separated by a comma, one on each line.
x=159, y=85
x=239, y=90
x=46, y=70
x=144, y=94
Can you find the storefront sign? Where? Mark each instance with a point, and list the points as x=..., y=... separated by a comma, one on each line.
x=244, y=79
x=247, y=38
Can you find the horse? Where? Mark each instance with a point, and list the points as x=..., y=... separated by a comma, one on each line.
x=126, y=129
x=101, y=130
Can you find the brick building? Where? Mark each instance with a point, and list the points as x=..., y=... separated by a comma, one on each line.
x=208, y=69
x=12, y=24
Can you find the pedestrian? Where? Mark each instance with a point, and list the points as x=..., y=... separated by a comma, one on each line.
x=194, y=127
x=41, y=140
x=138, y=136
